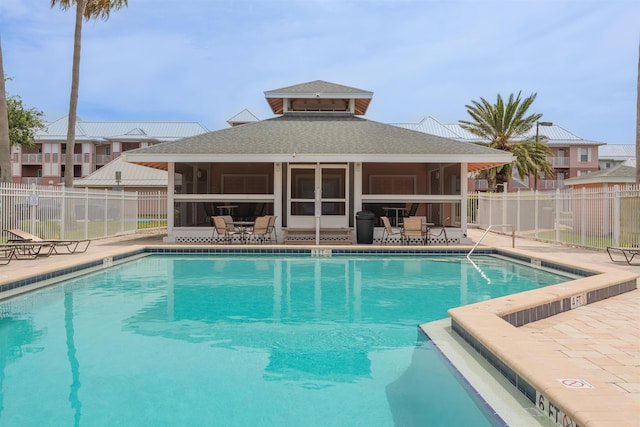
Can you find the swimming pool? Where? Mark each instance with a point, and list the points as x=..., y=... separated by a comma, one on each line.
x=247, y=340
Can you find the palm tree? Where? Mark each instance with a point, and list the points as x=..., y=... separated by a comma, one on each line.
x=5, y=145
x=503, y=125
x=87, y=9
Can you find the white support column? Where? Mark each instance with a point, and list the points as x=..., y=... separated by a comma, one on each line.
x=277, y=193
x=357, y=187
x=357, y=193
x=464, y=191
x=171, y=169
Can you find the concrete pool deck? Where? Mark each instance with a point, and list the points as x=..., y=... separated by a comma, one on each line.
x=584, y=362
x=597, y=343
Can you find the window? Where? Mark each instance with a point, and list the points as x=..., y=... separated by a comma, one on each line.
x=392, y=184
x=245, y=184
x=482, y=184
x=584, y=155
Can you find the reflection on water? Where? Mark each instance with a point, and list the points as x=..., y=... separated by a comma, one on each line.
x=17, y=337
x=74, y=387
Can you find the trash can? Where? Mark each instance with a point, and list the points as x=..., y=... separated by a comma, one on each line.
x=364, y=227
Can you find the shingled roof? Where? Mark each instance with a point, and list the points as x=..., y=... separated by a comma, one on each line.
x=620, y=174
x=318, y=89
x=318, y=137
x=132, y=175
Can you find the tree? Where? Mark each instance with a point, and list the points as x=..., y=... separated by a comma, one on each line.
x=23, y=122
x=503, y=125
x=87, y=9
x=5, y=145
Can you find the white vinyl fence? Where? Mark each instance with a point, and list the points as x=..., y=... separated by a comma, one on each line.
x=591, y=218
x=63, y=213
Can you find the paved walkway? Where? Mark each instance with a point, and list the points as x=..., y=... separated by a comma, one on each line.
x=603, y=338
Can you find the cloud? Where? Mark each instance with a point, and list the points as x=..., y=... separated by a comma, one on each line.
x=206, y=60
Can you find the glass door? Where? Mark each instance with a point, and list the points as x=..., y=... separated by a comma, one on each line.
x=318, y=192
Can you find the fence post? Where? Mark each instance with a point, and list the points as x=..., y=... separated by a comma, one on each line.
x=135, y=217
x=535, y=211
x=518, y=200
x=32, y=211
x=86, y=213
x=558, y=209
x=158, y=215
x=504, y=206
x=104, y=218
x=86, y=210
x=616, y=216
x=583, y=217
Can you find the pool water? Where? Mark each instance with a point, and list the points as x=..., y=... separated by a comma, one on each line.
x=247, y=341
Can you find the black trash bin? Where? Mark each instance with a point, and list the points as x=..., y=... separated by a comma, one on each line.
x=364, y=227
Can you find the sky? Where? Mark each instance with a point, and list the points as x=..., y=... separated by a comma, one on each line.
x=207, y=60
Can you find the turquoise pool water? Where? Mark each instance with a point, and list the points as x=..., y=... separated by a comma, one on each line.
x=247, y=341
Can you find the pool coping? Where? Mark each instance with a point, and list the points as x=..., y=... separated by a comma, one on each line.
x=490, y=327
x=72, y=265
x=542, y=375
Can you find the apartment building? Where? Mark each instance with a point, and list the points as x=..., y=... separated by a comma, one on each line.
x=571, y=156
x=97, y=143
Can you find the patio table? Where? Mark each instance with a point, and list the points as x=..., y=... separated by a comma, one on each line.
x=243, y=226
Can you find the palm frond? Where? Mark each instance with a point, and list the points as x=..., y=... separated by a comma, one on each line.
x=504, y=124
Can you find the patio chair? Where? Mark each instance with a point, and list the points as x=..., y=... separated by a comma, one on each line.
x=260, y=231
x=412, y=229
x=228, y=219
x=24, y=250
x=222, y=229
x=443, y=232
x=627, y=253
x=6, y=254
x=388, y=231
x=273, y=236
x=413, y=209
x=437, y=235
x=59, y=247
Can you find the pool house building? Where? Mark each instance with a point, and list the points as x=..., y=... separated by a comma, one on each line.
x=314, y=166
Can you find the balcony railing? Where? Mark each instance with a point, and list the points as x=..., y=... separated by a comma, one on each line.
x=31, y=180
x=103, y=159
x=559, y=162
x=551, y=184
x=31, y=158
